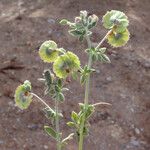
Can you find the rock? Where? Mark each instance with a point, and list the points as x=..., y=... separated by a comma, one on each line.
x=1, y=142
x=45, y=147
x=51, y=21
x=33, y=126
x=132, y=109
x=123, y=95
x=134, y=142
x=137, y=131
x=11, y=104
x=109, y=78
x=146, y=64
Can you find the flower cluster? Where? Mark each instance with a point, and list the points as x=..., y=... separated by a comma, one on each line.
x=64, y=63
x=81, y=24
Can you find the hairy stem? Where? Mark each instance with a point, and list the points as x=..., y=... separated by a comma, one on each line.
x=41, y=100
x=81, y=138
x=87, y=86
x=105, y=37
x=57, y=125
x=57, y=118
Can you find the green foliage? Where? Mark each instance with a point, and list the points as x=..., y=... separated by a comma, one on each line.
x=85, y=73
x=51, y=132
x=76, y=118
x=66, y=64
x=51, y=114
x=82, y=24
x=23, y=98
x=98, y=54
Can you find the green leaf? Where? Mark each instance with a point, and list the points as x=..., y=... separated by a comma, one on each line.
x=82, y=79
x=64, y=22
x=76, y=32
x=94, y=57
x=50, y=113
x=74, y=116
x=81, y=38
x=89, y=111
x=59, y=83
x=71, y=124
x=104, y=58
x=61, y=97
x=50, y=132
x=102, y=50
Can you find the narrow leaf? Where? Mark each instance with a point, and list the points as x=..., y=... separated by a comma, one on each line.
x=50, y=132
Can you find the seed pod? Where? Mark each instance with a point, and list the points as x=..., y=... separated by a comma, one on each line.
x=118, y=39
x=115, y=19
x=23, y=98
x=66, y=64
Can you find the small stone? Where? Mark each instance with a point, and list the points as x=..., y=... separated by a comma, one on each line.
x=51, y=21
x=18, y=119
x=134, y=142
x=109, y=78
x=132, y=109
x=50, y=31
x=32, y=126
x=1, y=142
x=146, y=64
x=128, y=64
x=123, y=95
x=45, y=147
x=137, y=131
x=10, y=103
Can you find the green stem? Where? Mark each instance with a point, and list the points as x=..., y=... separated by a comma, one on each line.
x=81, y=138
x=57, y=125
x=57, y=118
x=41, y=100
x=105, y=37
x=87, y=84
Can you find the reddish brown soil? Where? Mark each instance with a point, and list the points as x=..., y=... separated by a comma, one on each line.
x=125, y=83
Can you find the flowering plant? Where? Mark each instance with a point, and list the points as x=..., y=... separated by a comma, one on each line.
x=67, y=64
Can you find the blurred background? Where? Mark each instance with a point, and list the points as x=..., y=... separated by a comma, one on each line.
x=125, y=83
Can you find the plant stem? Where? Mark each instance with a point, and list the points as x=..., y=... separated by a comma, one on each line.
x=105, y=37
x=87, y=84
x=41, y=100
x=57, y=124
x=57, y=117
x=81, y=138
x=101, y=103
